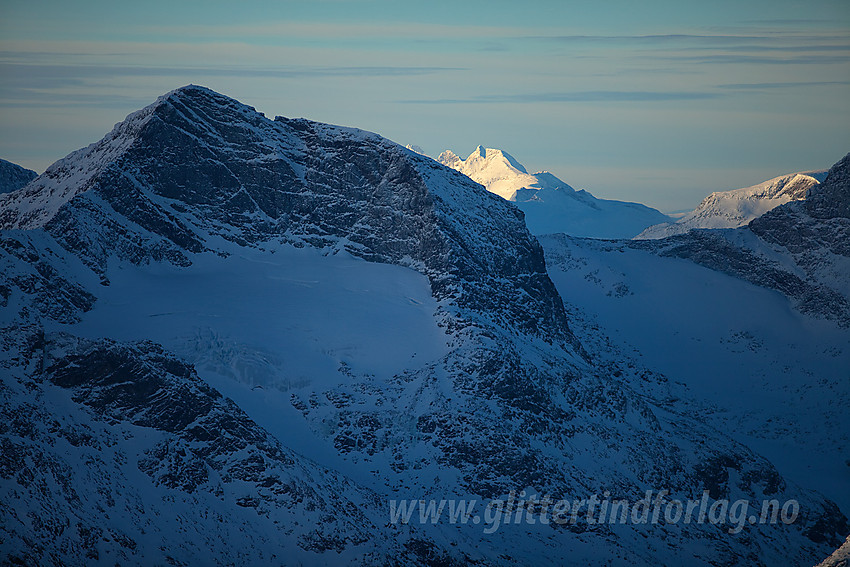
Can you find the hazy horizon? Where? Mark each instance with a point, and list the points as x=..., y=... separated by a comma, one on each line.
x=657, y=103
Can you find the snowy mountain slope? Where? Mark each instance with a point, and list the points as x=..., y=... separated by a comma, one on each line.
x=69, y=176
x=13, y=176
x=549, y=204
x=553, y=210
x=118, y=452
x=234, y=358
x=416, y=149
x=756, y=323
x=731, y=209
x=292, y=180
x=771, y=377
x=417, y=344
x=799, y=248
x=137, y=461
x=815, y=233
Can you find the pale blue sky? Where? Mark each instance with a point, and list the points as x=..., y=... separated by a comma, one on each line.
x=657, y=102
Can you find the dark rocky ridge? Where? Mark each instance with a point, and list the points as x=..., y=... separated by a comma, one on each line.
x=822, y=221
x=13, y=176
x=197, y=163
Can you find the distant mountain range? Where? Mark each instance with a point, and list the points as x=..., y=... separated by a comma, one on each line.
x=731, y=209
x=549, y=204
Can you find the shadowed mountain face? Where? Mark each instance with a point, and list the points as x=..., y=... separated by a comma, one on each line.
x=820, y=221
x=197, y=163
x=226, y=238
x=13, y=176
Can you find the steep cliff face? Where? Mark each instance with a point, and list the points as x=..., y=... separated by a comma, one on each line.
x=359, y=303
x=818, y=227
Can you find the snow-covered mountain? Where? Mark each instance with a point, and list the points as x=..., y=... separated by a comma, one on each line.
x=13, y=176
x=731, y=209
x=498, y=171
x=549, y=204
x=756, y=323
x=416, y=149
x=234, y=340
x=799, y=249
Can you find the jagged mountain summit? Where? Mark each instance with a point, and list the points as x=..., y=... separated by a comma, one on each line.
x=731, y=209
x=13, y=176
x=228, y=339
x=500, y=173
x=549, y=204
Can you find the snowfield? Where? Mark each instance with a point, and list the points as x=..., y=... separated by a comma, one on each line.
x=738, y=354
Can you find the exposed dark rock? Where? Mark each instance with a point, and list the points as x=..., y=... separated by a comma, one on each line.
x=13, y=176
